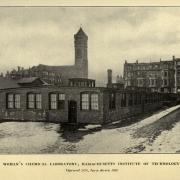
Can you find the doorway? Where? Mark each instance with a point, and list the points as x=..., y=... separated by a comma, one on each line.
x=72, y=111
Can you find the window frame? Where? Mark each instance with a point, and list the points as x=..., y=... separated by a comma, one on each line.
x=90, y=101
x=34, y=100
x=86, y=102
x=112, y=100
x=13, y=101
x=123, y=99
x=94, y=101
x=59, y=101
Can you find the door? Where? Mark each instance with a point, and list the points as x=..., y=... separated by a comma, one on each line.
x=72, y=111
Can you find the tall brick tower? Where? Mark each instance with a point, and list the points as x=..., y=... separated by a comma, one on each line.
x=81, y=54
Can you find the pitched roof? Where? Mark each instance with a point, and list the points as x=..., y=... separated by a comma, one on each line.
x=8, y=83
x=53, y=68
x=30, y=80
x=27, y=80
x=81, y=33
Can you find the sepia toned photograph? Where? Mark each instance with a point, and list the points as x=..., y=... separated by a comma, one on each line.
x=89, y=80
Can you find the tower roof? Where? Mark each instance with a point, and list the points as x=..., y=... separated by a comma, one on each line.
x=81, y=33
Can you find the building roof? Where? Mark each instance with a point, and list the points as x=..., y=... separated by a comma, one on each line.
x=27, y=80
x=8, y=83
x=81, y=33
x=148, y=63
x=30, y=80
x=81, y=79
x=53, y=68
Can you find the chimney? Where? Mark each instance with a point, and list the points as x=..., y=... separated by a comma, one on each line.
x=109, y=78
x=19, y=68
x=117, y=79
x=173, y=58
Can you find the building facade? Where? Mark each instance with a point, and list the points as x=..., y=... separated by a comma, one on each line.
x=74, y=104
x=163, y=76
x=59, y=75
x=80, y=102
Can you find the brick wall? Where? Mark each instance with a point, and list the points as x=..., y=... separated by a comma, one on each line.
x=45, y=114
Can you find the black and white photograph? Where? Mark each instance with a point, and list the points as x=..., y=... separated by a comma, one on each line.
x=89, y=80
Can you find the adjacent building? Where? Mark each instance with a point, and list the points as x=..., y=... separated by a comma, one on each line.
x=59, y=75
x=163, y=76
x=64, y=94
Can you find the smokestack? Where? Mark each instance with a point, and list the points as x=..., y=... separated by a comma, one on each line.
x=109, y=74
x=173, y=57
x=19, y=68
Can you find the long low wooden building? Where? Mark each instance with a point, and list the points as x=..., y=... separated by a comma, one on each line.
x=80, y=102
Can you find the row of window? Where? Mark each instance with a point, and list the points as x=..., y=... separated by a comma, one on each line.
x=132, y=99
x=89, y=101
x=149, y=67
x=141, y=82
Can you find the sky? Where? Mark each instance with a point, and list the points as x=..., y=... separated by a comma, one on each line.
x=45, y=35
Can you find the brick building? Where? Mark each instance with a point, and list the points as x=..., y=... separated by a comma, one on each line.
x=59, y=75
x=163, y=76
x=80, y=102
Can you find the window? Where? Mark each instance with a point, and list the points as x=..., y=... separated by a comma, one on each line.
x=129, y=74
x=31, y=101
x=140, y=82
x=135, y=98
x=34, y=101
x=152, y=82
x=85, y=101
x=139, y=99
x=130, y=102
x=123, y=100
x=10, y=101
x=128, y=82
x=61, y=101
x=38, y=101
x=57, y=101
x=165, y=82
x=17, y=101
x=165, y=73
x=13, y=101
x=89, y=101
x=53, y=101
x=178, y=72
x=146, y=98
x=94, y=102
x=112, y=102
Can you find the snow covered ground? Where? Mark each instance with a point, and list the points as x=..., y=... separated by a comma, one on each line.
x=167, y=142
x=121, y=140
x=155, y=134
